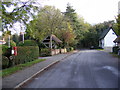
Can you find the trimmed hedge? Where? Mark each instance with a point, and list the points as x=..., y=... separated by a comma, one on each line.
x=6, y=51
x=28, y=43
x=115, y=49
x=5, y=62
x=26, y=54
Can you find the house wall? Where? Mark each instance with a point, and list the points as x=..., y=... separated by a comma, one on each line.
x=108, y=40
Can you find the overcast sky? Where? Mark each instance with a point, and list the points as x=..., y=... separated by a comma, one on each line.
x=93, y=11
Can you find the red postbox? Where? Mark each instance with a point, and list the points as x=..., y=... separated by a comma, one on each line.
x=15, y=51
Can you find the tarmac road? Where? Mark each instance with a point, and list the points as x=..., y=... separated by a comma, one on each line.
x=85, y=69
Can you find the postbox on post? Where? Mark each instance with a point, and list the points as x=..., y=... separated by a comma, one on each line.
x=15, y=51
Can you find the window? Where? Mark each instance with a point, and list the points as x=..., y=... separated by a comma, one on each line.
x=113, y=33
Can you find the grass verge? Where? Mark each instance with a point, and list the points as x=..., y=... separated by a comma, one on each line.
x=100, y=49
x=16, y=68
x=115, y=55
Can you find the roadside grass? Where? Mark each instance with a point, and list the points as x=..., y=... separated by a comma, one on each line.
x=16, y=68
x=115, y=55
x=100, y=49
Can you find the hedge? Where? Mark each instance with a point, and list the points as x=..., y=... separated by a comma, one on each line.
x=28, y=43
x=26, y=54
x=5, y=62
x=6, y=51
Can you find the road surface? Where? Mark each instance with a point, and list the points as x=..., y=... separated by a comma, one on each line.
x=85, y=69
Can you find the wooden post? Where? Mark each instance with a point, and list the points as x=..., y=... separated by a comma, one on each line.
x=51, y=44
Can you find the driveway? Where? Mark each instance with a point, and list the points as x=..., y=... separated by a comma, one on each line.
x=85, y=69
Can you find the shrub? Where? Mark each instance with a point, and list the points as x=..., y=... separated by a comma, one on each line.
x=5, y=62
x=69, y=49
x=115, y=49
x=45, y=52
x=4, y=49
x=26, y=54
x=28, y=43
x=12, y=43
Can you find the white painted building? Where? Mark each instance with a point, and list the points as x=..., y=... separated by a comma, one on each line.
x=107, y=38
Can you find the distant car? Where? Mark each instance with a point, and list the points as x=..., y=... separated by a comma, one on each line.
x=92, y=47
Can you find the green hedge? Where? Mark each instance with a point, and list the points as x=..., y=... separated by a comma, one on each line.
x=6, y=51
x=26, y=54
x=115, y=49
x=5, y=62
x=45, y=52
x=12, y=43
x=28, y=43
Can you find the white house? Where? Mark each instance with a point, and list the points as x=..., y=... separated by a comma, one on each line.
x=106, y=39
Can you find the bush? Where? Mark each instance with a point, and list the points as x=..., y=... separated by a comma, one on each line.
x=45, y=52
x=115, y=49
x=5, y=62
x=69, y=49
x=12, y=43
x=4, y=49
x=26, y=54
x=28, y=43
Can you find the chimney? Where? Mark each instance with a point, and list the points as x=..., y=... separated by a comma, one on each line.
x=110, y=25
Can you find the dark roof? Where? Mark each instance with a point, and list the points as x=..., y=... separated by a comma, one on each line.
x=104, y=33
x=117, y=40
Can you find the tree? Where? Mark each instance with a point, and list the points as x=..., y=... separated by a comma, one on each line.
x=67, y=35
x=79, y=26
x=21, y=12
x=100, y=27
x=48, y=21
x=72, y=16
x=7, y=36
x=15, y=38
x=118, y=24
